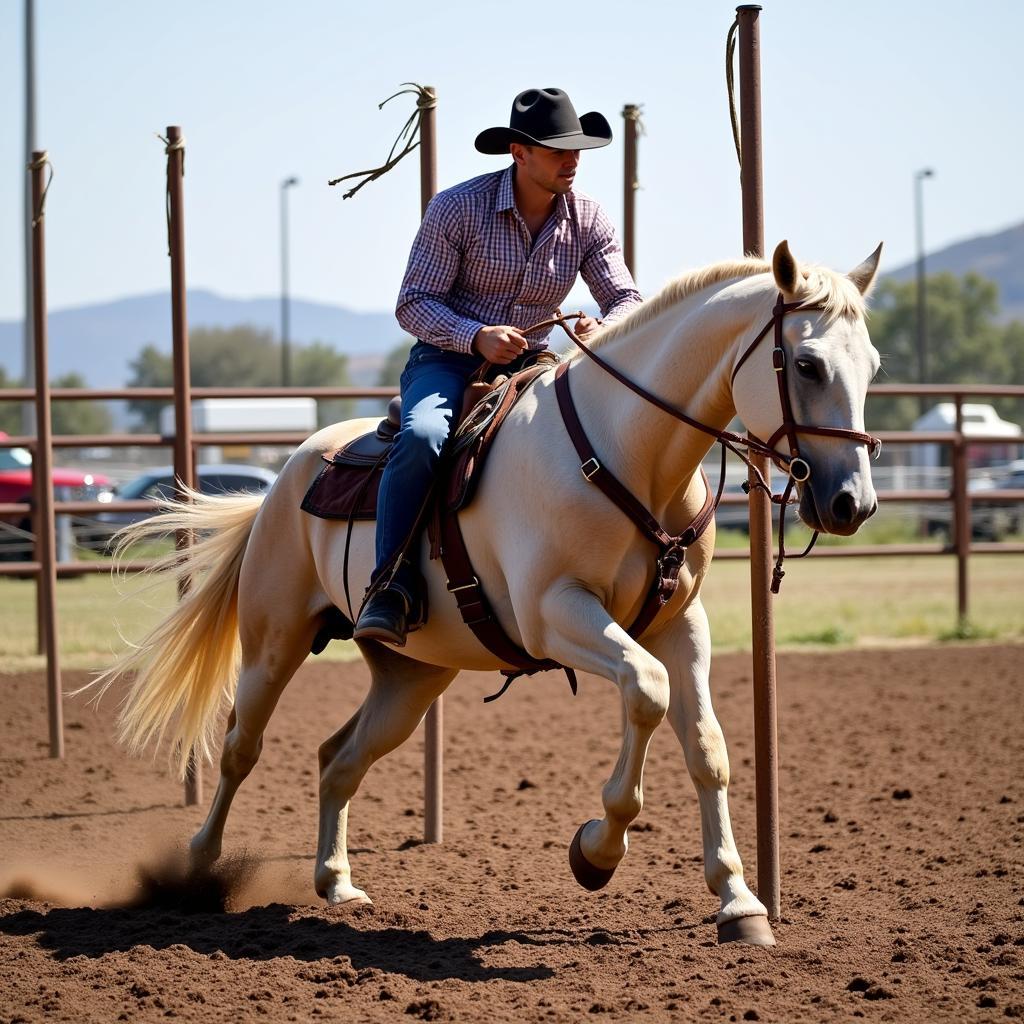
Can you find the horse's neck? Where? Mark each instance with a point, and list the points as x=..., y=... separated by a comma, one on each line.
x=685, y=356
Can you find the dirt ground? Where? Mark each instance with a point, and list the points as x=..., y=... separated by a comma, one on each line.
x=902, y=824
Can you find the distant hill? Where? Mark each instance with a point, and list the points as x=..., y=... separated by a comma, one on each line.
x=999, y=257
x=99, y=341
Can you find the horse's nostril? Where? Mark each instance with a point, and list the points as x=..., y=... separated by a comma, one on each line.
x=844, y=508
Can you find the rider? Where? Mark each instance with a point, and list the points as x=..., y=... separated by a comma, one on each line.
x=493, y=256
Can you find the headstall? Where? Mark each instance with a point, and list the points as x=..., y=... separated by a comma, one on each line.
x=797, y=468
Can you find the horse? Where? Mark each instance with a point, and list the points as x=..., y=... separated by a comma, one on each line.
x=561, y=565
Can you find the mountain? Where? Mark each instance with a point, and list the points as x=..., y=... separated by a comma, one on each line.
x=99, y=341
x=999, y=257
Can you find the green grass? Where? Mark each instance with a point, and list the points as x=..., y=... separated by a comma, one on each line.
x=824, y=602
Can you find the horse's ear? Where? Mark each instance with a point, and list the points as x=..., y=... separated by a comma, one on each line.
x=787, y=274
x=863, y=275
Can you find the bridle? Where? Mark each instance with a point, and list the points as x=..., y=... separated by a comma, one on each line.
x=797, y=468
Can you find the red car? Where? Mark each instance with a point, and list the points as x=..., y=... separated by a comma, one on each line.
x=16, y=486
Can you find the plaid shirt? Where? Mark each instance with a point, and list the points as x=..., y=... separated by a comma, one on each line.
x=474, y=264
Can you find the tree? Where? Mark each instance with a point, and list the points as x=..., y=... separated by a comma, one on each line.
x=85, y=417
x=395, y=362
x=965, y=344
x=239, y=356
x=10, y=412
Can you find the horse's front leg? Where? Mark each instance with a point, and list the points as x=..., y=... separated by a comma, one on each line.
x=684, y=646
x=579, y=632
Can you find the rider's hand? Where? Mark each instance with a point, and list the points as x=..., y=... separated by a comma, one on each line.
x=499, y=344
x=586, y=325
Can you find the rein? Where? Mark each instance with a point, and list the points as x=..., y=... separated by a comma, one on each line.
x=797, y=468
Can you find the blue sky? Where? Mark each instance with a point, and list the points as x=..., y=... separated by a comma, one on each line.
x=856, y=98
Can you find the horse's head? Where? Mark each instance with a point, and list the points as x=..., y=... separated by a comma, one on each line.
x=829, y=362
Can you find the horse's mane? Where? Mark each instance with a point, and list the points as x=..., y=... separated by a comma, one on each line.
x=835, y=293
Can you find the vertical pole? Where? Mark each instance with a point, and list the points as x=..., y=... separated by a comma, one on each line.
x=184, y=468
x=433, y=768
x=42, y=461
x=28, y=424
x=286, y=369
x=28, y=411
x=922, y=307
x=630, y=113
x=766, y=753
x=961, y=513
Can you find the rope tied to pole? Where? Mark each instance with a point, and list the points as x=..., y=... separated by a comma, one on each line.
x=43, y=160
x=730, y=53
x=178, y=145
x=426, y=99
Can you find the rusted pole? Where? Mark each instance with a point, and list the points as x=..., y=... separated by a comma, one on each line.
x=433, y=750
x=961, y=512
x=631, y=116
x=42, y=460
x=766, y=752
x=184, y=468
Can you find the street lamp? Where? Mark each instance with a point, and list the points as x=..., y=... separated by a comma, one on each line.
x=922, y=329
x=286, y=355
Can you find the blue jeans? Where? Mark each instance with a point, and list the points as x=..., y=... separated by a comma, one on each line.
x=432, y=385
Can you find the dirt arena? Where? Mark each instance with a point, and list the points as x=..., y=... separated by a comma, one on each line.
x=902, y=854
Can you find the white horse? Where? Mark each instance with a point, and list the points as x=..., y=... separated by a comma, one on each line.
x=561, y=565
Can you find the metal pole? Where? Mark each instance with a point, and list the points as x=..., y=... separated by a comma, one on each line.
x=922, y=310
x=961, y=512
x=766, y=752
x=630, y=113
x=184, y=465
x=28, y=410
x=433, y=751
x=42, y=461
x=286, y=353
x=28, y=424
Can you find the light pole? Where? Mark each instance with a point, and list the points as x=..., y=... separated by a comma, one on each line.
x=922, y=325
x=286, y=355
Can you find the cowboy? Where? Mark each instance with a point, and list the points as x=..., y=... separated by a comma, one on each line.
x=493, y=256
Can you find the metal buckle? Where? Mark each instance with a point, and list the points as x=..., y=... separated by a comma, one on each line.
x=799, y=469
x=462, y=586
x=589, y=468
x=778, y=359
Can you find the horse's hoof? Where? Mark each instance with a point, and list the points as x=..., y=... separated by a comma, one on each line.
x=751, y=931
x=589, y=876
x=346, y=896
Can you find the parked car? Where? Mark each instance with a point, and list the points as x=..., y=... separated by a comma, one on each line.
x=16, y=486
x=989, y=520
x=158, y=483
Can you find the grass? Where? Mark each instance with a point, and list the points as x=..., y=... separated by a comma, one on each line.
x=824, y=602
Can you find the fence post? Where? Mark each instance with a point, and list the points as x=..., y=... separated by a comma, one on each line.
x=631, y=116
x=961, y=512
x=766, y=755
x=184, y=465
x=42, y=461
x=433, y=749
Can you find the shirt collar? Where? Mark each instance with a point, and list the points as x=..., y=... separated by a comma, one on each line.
x=506, y=199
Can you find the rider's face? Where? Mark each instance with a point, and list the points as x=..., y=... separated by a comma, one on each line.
x=550, y=169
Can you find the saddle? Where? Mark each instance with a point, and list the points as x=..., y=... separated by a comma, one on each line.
x=348, y=485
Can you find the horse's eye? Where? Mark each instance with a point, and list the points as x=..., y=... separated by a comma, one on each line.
x=807, y=369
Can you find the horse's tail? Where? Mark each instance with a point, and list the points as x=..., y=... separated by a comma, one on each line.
x=187, y=666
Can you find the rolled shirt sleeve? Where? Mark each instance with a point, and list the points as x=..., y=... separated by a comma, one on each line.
x=433, y=266
x=605, y=271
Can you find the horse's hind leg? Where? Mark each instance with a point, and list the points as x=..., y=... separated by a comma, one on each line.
x=685, y=648
x=273, y=648
x=579, y=632
x=401, y=691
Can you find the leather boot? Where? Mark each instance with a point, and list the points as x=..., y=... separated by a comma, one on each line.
x=384, y=617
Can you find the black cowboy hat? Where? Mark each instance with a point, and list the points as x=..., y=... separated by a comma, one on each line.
x=546, y=117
